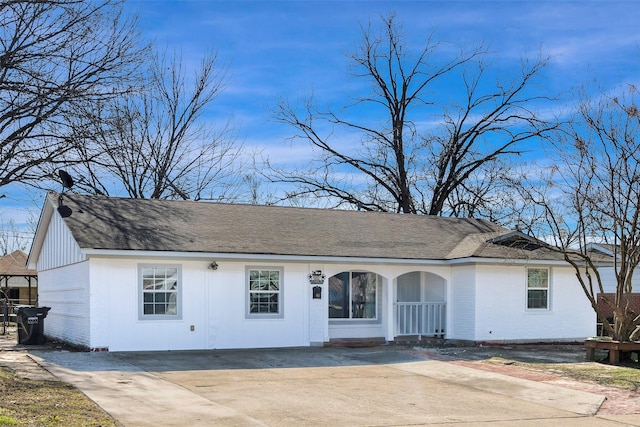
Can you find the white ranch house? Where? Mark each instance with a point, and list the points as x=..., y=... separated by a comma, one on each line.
x=130, y=274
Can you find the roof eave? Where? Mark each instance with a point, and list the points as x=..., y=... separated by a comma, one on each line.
x=109, y=253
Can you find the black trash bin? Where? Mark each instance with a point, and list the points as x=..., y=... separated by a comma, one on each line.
x=31, y=324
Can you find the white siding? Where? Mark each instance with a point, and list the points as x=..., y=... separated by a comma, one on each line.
x=59, y=247
x=213, y=303
x=484, y=303
x=461, y=306
x=115, y=296
x=502, y=314
x=66, y=291
x=228, y=307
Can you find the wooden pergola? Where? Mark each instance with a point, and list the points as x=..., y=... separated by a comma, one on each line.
x=14, y=275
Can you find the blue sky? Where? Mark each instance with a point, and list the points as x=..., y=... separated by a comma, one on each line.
x=288, y=49
x=292, y=48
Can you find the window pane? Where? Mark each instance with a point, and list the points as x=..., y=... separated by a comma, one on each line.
x=160, y=290
x=537, y=298
x=339, y=296
x=147, y=284
x=172, y=303
x=363, y=295
x=264, y=291
x=258, y=285
x=264, y=303
x=171, y=284
x=537, y=278
x=148, y=309
x=264, y=280
x=160, y=308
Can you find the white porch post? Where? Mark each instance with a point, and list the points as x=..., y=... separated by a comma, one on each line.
x=389, y=312
x=318, y=309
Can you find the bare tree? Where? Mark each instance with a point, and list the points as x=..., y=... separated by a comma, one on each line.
x=592, y=195
x=398, y=165
x=152, y=143
x=56, y=56
x=11, y=238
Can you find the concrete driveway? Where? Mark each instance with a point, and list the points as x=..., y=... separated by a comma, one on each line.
x=377, y=386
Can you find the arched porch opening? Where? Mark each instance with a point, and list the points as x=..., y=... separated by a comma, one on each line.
x=420, y=307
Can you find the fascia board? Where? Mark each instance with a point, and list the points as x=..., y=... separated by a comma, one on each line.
x=519, y=261
x=107, y=253
x=104, y=253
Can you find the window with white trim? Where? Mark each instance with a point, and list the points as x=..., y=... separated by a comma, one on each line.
x=159, y=287
x=352, y=295
x=264, y=292
x=538, y=288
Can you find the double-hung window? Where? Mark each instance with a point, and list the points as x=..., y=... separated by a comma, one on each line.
x=159, y=291
x=538, y=288
x=352, y=295
x=264, y=292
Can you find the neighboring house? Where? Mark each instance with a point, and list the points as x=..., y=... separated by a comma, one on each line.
x=132, y=274
x=609, y=282
x=18, y=284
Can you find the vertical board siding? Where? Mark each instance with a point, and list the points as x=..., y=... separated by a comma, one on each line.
x=59, y=247
x=609, y=281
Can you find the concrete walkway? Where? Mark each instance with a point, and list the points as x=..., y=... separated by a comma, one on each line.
x=379, y=386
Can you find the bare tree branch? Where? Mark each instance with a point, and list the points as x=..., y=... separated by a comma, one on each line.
x=398, y=166
x=151, y=144
x=55, y=57
x=593, y=196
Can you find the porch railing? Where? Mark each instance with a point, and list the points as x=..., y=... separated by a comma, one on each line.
x=420, y=318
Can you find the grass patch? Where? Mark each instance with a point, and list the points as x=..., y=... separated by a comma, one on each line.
x=46, y=403
x=599, y=373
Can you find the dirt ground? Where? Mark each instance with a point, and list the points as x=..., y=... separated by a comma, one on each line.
x=533, y=353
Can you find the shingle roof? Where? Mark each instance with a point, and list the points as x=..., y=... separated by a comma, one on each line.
x=187, y=226
x=15, y=264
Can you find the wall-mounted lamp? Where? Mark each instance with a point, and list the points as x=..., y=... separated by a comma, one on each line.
x=213, y=265
x=317, y=292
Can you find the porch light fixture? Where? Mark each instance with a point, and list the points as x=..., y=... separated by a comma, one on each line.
x=213, y=265
x=317, y=292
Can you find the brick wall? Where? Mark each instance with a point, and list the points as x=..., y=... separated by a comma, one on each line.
x=635, y=303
